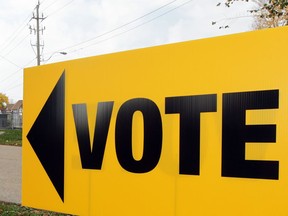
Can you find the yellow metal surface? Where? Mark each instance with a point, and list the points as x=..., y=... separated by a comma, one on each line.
x=238, y=63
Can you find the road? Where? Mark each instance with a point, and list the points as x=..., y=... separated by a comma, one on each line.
x=10, y=173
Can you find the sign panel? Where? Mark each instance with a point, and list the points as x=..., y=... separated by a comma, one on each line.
x=194, y=128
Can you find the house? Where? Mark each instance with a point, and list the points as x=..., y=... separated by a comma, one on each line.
x=15, y=108
x=11, y=117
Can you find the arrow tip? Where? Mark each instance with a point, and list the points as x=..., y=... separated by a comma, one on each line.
x=46, y=136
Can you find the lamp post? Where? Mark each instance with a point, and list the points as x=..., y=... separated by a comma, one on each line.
x=62, y=53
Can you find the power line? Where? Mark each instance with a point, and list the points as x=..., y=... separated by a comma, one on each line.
x=64, y=6
x=181, y=5
x=18, y=44
x=15, y=86
x=7, y=60
x=15, y=72
x=12, y=49
x=49, y=5
x=11, y=39
x=11, y=75
x=42, y=2
x=7, y=89
x=13, y=36
x=169, y=11
x=122, y=26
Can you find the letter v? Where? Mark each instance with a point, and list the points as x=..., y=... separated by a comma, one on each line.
x=92, y=159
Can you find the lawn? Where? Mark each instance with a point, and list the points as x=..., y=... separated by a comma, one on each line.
x=11, y=137
x=11, y=209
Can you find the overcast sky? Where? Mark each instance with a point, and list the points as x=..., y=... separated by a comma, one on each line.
x=93, y=27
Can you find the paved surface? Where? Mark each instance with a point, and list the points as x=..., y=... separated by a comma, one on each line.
x=10, y=173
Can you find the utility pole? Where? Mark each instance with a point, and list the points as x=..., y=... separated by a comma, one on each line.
x=37, y=32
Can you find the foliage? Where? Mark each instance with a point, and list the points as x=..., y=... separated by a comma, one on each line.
x=3, y=100
x=11, y=137
x=268, y=14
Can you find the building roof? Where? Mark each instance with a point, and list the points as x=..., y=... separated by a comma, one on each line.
x=12, y=107
x=9, y=106
x=18, y=105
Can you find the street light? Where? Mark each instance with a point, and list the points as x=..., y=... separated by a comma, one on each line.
x=62, y=53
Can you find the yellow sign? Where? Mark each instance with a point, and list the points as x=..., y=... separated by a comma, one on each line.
x=194, y=128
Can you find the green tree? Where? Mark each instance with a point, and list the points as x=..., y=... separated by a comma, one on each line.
x=3, y=100
x=267, y=13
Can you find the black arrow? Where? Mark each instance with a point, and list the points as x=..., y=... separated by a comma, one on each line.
x=47, y=136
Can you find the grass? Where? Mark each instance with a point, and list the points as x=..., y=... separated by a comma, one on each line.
x=10, y=209
x=11, y=137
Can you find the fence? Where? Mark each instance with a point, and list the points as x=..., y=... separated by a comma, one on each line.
x=10, y=120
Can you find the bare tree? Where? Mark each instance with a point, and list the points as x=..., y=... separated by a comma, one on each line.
x=267, y=13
